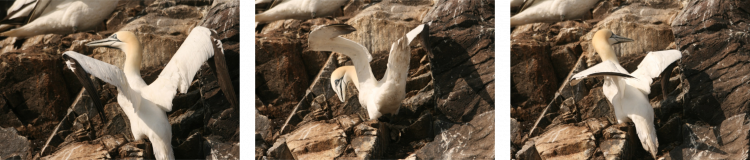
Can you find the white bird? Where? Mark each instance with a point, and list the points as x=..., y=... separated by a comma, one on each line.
x=145, y=105
x=55, y=16
x=300, y=9
x=535, y=11
x=378, y=97
x=628, y=92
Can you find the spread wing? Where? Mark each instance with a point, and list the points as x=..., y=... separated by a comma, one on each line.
x=102, y=70
x=651, y=67
x=179, y=72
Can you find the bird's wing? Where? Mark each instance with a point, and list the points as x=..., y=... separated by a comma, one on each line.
x=651, y=67
x=181, y=69
x=104, y=71
x=88, y=86
x=326, y=38
x=606, y=68
x=399, y=56
x=41, y=5
x=19, y=12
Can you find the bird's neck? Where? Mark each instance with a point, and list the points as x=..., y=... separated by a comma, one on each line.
x=133, y=58
x=605, y=51
x=351, y=75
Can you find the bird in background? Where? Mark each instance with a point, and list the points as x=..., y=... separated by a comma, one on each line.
x=550, y=11
x=28, y=18
x=298, y=9
x=628, y=92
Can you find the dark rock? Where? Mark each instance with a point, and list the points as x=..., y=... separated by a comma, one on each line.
x=619, y=142
x=515, y=132
x=370, y=140
x=14, y=144
x=214, y=148
x=461, y=49
x=279, y=150
x=528, y=152
x=472, y=140
x=726, y=141
x=713, y=58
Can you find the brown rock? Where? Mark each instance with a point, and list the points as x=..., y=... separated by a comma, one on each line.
x=462, y=57
x=715, y=75
x=726, y=141
x=566, y=142
x=317, y=140
x=472, y=140
x=80, y=151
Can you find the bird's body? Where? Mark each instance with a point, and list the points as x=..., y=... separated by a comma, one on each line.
x=377, y=96
x=535, y=11
x=300, y=9
x=55, y=16
x=628, y=92
x=144, y=104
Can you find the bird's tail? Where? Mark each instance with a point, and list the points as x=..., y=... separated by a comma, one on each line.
x=646, y=133
x=162, y=148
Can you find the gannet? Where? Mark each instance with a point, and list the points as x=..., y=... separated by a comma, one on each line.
x=55, y=16
x=145, y=105
x=628, y=92
x=300, y=9
x=535, y=11
x=378, y=97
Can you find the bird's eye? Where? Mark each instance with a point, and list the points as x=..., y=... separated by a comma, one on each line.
x=113, y=36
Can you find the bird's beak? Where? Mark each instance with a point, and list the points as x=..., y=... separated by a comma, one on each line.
x=620, y=39
x=107, y=42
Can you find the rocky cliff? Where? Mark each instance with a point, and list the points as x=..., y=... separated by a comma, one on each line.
x=449, y=107
x=44, y=114
x=703, y=117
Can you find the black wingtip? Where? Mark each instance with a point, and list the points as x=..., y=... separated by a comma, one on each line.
x=222, y=72
x=612, y=74
x=83, y=77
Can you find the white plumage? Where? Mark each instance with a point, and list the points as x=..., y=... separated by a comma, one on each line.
x=55, y=16
x=378, y=97
x=300, y=9
x=535, y=11
x=628, y=92
x=145, y=105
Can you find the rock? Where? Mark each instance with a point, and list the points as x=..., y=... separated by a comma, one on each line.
x=371, y=140
x=80, y=151
x=280, y=150
x=528, y=152
x=712, y=43
x=515, y=131
x=282, y=82
x=219, y=149
x=566, y=142
x=469, y=141
x=317, y=140
x=726, y=141
x=461, y=49
x=619, y=142
x=15, y=145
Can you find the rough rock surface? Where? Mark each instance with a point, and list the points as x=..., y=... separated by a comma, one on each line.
x=726, y=141
x=38, y=91
x=467, y=141
x=712, y=37
x=706, y=87
x=294, y=94
x=15, y=145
